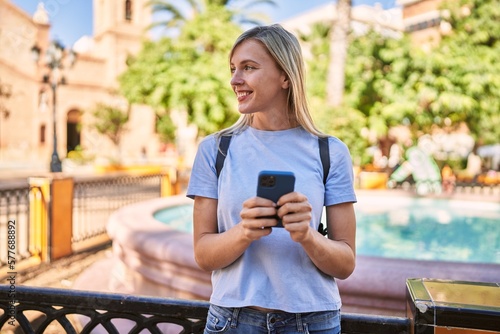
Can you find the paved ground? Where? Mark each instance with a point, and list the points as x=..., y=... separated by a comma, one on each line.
x=59, y=274
x=63, y=273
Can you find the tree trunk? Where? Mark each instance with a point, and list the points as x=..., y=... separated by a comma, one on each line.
x=338, y=52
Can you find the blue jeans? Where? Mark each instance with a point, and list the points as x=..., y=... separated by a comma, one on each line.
x=250, y=321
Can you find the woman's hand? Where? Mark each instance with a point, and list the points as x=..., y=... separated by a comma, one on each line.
x=257, y=217
x=214, y=250
x=295, y=212
x=335, y=255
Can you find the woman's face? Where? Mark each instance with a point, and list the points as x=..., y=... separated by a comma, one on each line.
x=260, y=85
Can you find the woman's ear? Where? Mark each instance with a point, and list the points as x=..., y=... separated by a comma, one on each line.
x=285, y=83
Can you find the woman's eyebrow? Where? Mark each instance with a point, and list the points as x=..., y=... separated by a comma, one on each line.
x=246, y=61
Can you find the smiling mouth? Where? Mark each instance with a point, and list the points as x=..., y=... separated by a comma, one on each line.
x=242, y=94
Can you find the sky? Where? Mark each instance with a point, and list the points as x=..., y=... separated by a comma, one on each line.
x=72, y=19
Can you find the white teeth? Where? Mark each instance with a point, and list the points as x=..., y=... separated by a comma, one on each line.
x=240, y=94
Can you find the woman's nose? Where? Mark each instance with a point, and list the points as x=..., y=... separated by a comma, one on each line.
x=236, y=79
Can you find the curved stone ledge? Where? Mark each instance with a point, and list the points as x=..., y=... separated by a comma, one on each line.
x=380, y=283
x=153, y=258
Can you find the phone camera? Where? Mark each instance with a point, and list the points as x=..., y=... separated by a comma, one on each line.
x=267, y=181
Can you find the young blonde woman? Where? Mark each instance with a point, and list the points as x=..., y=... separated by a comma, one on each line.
x=267, y=279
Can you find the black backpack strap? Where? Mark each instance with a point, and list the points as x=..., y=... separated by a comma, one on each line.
x=324, y=153
x=222, y=153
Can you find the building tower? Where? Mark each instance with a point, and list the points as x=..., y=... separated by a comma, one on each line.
x=120, y=27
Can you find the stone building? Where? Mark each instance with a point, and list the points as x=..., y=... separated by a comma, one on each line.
x=26, y=120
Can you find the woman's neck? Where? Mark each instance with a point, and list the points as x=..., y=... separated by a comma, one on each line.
x=273, y=122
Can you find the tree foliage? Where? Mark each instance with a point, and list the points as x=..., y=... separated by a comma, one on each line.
x=391, y=81
x=466, y=69
x=375, y=68
x=459, y=80
x=344, y=122
x=188, y=73
x=110, y=121
x=180, y=12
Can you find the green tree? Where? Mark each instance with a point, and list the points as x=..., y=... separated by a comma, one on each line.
x=179, y=12
x=176, y=16
x=376, y=71
x=392, y=82
x=188, y=73
x=343, y=122
x=317, y=65
x=460, y=79
x=111, y=122
x=375, y=68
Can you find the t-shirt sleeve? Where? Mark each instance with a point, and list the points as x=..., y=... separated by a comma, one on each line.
x=203, y=180
x=340, y=181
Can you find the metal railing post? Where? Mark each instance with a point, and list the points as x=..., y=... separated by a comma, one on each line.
x=168, y=180
x=39, y=217
x=51, y=217
x=61, y=218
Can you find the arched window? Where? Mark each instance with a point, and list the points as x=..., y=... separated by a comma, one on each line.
x=73, y=134
x=128, y=10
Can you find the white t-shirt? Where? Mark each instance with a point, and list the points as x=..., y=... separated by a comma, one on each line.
x=274, y=272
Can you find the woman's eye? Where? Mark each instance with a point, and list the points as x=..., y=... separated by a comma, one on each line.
x=245, y=68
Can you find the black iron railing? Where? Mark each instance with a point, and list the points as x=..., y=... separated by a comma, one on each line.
x=89, y=312
x=73, y=311
x=14, y=214
x=96, y=198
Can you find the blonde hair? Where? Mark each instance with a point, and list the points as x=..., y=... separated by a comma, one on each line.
x=286, y=51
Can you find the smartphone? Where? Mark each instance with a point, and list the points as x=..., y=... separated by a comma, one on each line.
x=274, y=184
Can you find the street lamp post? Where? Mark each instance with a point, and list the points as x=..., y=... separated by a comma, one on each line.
x=55, y=162
x=54, y=58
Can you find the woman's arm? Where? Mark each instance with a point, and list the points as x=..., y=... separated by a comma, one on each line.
x=335, y=255
x=214, y=250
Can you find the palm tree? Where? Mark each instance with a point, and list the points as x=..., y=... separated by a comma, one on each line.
x=173, y=9
x=178, y=13
x=338, y=52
